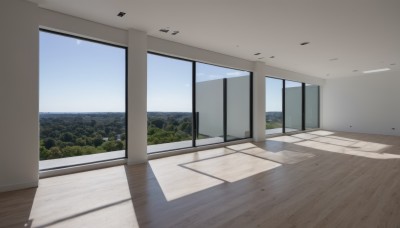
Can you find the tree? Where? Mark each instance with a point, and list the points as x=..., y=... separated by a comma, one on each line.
x=49, y=143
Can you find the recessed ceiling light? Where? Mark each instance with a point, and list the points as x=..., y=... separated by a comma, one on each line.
x=304, y=43
x=174, y=33
x=121, y=14
x=376, y=70
x=258, y=53
x=164, y=30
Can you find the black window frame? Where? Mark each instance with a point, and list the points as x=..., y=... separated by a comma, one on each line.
x=194, y=114
x=126, y=94
x=303, y=104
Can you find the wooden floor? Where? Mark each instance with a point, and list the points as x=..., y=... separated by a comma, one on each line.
x=315, y=179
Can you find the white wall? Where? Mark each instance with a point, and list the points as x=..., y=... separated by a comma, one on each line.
x=19, y=95
x=369, y=103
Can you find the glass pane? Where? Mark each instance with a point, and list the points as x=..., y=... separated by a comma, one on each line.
x=82, y=101
x=273, y=105
x=293, y=110
x=209, y=104
x=312, y=106
x=169, y=103
x=238, y=105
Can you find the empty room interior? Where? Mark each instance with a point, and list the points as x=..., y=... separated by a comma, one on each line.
x=200, y=113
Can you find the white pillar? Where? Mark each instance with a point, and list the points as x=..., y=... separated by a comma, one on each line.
x=259, y=73
x=19, y=95
x=137, y=97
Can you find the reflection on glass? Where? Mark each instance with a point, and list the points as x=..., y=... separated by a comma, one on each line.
x=293, y=103
x=169, y=103
x=82, y=101
x=273, y=105
x=312, y=106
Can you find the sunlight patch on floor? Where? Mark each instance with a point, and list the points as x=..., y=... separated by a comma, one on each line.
x=176, y=181
x=79, y=200
x=283, y=157
x=233, y=167
x=241, y=146
x=372, y=151
x=287, y=139
x=322, y=133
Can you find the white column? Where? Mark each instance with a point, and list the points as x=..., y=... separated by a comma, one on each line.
x=19, y=95
x=259, y=73
x=137, y=97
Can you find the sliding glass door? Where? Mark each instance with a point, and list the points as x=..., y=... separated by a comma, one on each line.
x=222, y=104
x=290, y=106
x=194, y=104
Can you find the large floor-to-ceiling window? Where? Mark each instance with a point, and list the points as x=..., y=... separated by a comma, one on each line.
x=82, y=101
x=222, y=104
x=273, y=106
x=194, y=104
x=169, y=103
x=290, y=106
x=293, y=106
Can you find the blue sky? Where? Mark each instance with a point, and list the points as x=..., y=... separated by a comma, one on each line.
x=80, y=76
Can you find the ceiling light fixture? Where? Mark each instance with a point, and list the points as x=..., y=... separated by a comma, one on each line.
x=164, y=30
x=121, y=14
x=376, y=70
x=304, y=43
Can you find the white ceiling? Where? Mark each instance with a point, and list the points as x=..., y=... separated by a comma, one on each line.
x=361, y=34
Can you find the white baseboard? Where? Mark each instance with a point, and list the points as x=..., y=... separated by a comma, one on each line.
x=19, y=186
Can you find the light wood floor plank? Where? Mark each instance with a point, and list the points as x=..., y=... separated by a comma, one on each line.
x=316, y=179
